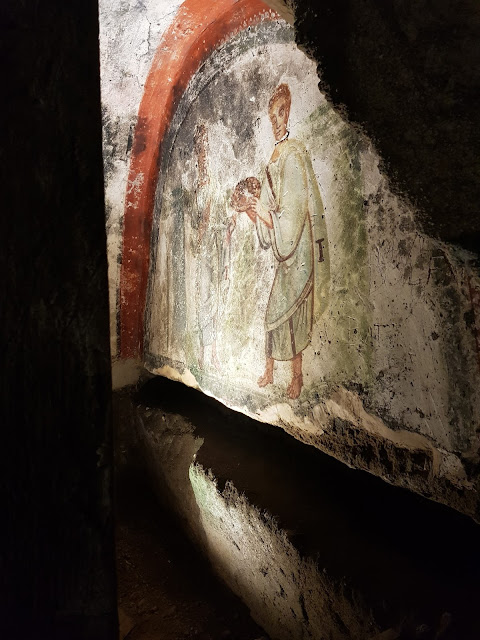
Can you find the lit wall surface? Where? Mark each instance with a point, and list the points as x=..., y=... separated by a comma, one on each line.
x=266, y=261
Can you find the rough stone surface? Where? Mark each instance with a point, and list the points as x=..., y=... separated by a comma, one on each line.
x=408, y=73
x=315, y=549
x=56, y=557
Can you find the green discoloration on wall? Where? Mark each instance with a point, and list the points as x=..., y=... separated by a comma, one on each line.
x=391, y=355
x=350, y=286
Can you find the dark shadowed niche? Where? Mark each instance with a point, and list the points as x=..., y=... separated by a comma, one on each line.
x=409, y=74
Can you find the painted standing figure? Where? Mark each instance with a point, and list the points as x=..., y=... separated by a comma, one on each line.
x=207, y=251
x=289, y=216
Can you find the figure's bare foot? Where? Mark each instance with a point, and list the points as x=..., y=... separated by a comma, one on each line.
x=266, y=379
x=295, y=386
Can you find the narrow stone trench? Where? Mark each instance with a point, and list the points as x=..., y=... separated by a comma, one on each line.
x=390, y=564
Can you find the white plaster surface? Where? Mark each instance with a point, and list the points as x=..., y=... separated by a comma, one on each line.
x=130, y=32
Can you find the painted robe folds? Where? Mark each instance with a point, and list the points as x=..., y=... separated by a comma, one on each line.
x=298, y=240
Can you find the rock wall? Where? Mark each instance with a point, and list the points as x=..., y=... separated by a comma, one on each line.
x=313, y=548
x=57, y=577
x=286, y=271
x=408, y=73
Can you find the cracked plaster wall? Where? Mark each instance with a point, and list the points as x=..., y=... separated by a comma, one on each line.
x=413, y=418
x=129, y=35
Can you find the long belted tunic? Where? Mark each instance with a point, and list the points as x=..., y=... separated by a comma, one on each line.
x=290, y=193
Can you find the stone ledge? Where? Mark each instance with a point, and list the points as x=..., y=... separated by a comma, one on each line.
x=311, y=546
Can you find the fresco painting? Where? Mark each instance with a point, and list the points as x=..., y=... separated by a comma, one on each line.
x=252, y=301
x=289, y=218
x=208, y=250
x=267, y=261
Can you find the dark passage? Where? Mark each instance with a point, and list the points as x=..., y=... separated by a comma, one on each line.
x=414, y=563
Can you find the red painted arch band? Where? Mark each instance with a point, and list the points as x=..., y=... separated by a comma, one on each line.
x=197, y=30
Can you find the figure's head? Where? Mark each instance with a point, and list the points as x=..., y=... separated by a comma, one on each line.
x=245, y=188
x=279, y=110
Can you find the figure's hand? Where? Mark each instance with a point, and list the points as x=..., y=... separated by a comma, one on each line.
x=240, y=201
x=257, y=209
x=251, y=210
x=241, y=205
